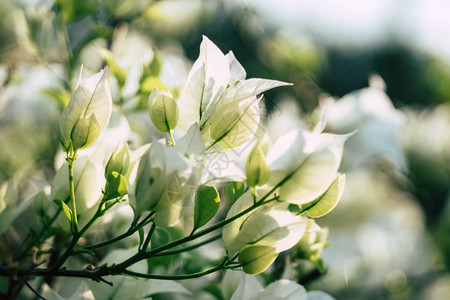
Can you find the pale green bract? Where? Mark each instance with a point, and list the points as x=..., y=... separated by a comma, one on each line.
x=304, y=164
x=257, y=170
x=207, y=79
x=87, y=113
x=273, y=226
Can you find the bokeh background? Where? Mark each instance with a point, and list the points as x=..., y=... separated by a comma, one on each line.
x=381, y=67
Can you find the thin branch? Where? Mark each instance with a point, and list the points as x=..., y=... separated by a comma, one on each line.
x=133, y=228
x=95, y=274
x=192, y=247
x=177, y=277
x=33, y=290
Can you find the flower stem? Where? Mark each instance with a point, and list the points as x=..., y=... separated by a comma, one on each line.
x=71, y=156
x=172, y=142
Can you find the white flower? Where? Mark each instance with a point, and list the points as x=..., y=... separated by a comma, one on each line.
x=87, y=113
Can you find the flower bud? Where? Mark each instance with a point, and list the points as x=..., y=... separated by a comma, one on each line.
x=85, y=132
x=313, y=241
x=163, y=110
x=258, y=172
x=119, y=161
x=87, y=113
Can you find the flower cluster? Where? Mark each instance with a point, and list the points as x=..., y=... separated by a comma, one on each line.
x=168, y=183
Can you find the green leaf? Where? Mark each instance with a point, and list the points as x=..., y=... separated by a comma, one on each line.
x=294, y=208
x=234, y=190
x=318, y=262
x=256, y=259
x=214, y=290
x=207, y=202
x=231, y=230
x=41, y=204
x=116, y=187
x=58, y=94
x=154, y=67
x=328, y=201
x=151, y=82
x=107, y=55
x=163, y=236
x=76, y=251
x=64, y=208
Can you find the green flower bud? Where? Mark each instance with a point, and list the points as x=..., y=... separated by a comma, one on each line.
x=87, y=113
x=119, y=161
x=163, y=110
x=258, y=172
x=313, y=241
x=85, y=132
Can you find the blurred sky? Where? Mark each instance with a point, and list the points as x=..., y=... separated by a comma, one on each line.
x=419, y=24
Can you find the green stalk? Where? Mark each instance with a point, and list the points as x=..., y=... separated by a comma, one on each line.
x=71, y=156
x=133, y=228
x=172, y=142
x=76, y=236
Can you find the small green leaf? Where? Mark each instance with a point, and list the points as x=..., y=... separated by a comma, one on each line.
x=41, y=204
x=256, y=259
x=325, y=203
x=64, y=208
x=214, y=291
x=61, y=96
x=294, y=208
x=163, y=236
x=318, y=262
x=117, y=186
x=207, y=202
x=107, y=55
x=76, y=251
x=150, y=82
x=234, y=190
